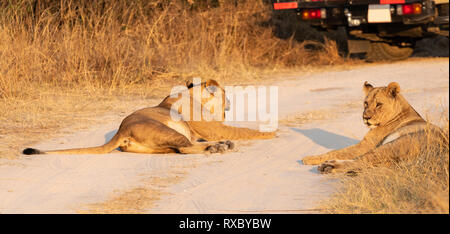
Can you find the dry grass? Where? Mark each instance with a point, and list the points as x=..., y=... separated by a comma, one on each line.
x=306, y=117
x=63, y=62
x=420, y=185
x=112, y=46
x=135, y=200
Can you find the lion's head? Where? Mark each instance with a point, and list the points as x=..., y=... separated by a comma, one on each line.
x=382, y=105
x=212, y=97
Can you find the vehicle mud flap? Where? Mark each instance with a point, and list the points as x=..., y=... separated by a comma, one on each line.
x=383, y=51
x=358, y=46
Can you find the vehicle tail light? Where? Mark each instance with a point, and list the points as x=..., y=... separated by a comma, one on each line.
x=305, y=15
x=315, y=14
x=392, y=1
x=409, y=9
x=308, y=14
x=285, y=5
x=417, y=8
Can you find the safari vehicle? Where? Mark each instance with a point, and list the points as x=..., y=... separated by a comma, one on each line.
x=382, y=29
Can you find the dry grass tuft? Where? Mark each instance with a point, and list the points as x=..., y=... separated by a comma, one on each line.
x=135, y=200
x=420, y=185
x=306, y=117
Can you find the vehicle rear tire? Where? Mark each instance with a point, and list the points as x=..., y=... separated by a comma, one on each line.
x=382, y=51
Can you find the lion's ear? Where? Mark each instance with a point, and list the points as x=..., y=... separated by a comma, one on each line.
x=211, y=82
x=367, y=87
x=393, y=89
x=211, y=85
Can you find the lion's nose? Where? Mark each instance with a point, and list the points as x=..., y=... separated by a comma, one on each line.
x=367, y=114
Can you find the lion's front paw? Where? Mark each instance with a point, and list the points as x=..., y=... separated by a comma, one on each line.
x=334, y=166
x=220, y=147
x=229, y=144
x=311, y=160
x=328, y=167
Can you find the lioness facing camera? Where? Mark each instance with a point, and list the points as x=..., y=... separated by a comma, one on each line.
x=397, y=132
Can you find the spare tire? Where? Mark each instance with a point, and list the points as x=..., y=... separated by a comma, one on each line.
x=382, y=51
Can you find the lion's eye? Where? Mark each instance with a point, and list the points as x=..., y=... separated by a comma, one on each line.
x=379, y=104
x=365, y=104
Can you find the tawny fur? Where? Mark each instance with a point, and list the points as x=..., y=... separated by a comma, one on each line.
x=396, y=130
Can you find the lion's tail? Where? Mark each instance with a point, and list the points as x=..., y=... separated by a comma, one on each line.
x=106, y=148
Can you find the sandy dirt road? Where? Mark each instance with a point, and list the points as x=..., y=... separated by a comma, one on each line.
x=318, y=112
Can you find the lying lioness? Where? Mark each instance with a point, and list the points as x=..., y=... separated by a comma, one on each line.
x=153, y=130
x=397, y=132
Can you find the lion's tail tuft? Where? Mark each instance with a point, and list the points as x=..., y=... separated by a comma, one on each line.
x=30, y=151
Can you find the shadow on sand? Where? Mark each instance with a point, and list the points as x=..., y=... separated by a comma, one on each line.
x=110, y=135
x=327, y=139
